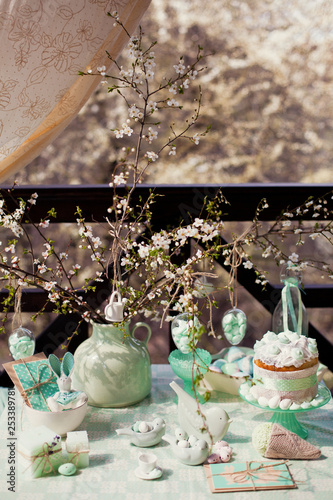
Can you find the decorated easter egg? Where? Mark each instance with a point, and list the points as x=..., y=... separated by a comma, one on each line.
x=285, y=404
x=215, y=369
x=244, y=389
x=274, y=402
x=219, y=363
x=234, y=354
x=236, y=339
x=201, y=444
x=263, y=401
x=220, y=444
x=144, y=427
x=317, y=401
x=135, y=426
x=246, y=364
x=183, y=443
x=67, y=469
x=180, y=433
x=192, y=440
x=230, y=368
x=214, y=458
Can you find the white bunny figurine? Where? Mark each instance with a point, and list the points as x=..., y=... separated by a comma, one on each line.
x=65, y=398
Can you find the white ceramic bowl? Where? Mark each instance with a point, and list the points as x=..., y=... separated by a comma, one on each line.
x=60, y=422
x=221, y=382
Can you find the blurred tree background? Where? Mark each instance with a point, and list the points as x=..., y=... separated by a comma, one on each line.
x=267, y=95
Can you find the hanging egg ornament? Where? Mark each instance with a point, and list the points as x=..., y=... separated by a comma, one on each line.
x=184, y=330
x=234, y=325
x=21, y=343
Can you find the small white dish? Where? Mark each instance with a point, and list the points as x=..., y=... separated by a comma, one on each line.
x=154, y=474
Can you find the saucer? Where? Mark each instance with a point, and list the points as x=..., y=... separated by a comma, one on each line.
x=154, y=474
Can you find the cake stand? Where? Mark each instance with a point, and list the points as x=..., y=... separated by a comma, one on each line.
x=287, y=418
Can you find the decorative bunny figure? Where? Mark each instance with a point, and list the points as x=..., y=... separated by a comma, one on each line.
x=65, y=398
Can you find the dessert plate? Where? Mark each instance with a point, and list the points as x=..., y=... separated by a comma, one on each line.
x=154, y=474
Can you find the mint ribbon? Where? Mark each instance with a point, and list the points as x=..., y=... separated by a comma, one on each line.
x=288, y=306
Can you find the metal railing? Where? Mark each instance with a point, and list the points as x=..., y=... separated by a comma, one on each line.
x=174, y=203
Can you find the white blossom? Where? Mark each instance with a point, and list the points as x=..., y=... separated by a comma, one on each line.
x=151, y=155
x=293, y=257
x=313, y=236
x=196, y=138
x=173, y=103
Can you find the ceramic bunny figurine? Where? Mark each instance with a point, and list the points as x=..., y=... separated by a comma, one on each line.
x=65, y=398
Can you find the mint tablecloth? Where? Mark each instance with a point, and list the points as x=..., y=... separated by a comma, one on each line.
x=113, y=459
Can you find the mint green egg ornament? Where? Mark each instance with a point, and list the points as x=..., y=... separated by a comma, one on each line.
x=185, y=331
x=21, y=343
x=234, y=323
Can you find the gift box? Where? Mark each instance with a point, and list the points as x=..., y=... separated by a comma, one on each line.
x=77, y=447
x=248, y=476
x=34, y=379
x=39, y=452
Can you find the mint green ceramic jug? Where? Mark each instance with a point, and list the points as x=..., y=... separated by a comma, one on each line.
x=113, y=367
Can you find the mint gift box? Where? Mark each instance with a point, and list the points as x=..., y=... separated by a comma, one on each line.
x=39, y=452
x=77, y=447
x=38, y=382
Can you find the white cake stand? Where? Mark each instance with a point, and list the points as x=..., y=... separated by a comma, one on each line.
x=287, y=418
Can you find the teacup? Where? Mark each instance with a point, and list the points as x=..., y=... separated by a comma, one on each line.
x=147, y=462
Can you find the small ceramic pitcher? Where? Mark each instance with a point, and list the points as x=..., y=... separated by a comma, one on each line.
x=114, y=311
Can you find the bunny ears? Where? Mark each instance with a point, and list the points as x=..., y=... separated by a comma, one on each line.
x=65, y=367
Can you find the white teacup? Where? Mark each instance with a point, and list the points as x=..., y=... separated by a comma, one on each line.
x=147, y=462
x=114, y=311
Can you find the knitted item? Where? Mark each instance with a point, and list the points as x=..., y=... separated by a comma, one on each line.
x=261, y=436
x=282, y=443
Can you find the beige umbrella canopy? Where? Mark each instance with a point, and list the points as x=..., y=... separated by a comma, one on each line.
x=43, y=45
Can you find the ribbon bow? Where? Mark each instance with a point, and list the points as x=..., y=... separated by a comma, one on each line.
x=44, y=454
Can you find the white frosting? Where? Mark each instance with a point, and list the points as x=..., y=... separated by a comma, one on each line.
x=285, y=349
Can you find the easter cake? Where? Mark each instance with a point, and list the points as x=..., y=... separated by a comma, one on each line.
x=285, y=369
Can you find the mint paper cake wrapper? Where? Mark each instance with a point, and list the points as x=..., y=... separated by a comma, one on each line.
x=34, y=380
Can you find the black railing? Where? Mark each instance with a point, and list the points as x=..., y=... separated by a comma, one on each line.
x=173, y=204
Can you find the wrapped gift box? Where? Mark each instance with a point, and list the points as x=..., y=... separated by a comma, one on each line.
x=77, y=447
x=39, y=452
x=248, y=476
x=34, y=379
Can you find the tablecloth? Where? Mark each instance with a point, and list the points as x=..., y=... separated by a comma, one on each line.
x=113, y=459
